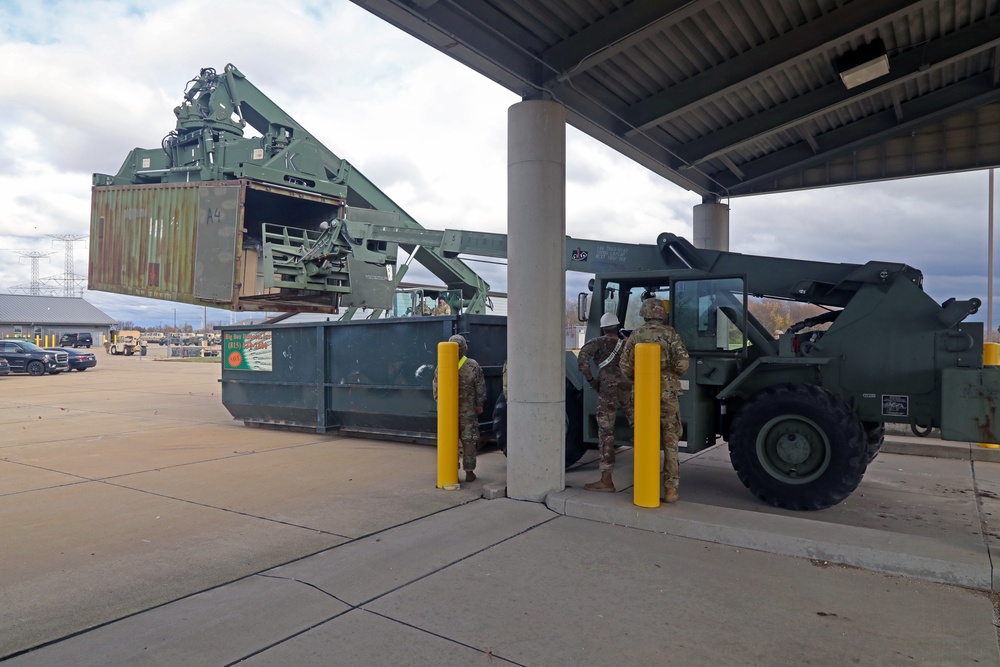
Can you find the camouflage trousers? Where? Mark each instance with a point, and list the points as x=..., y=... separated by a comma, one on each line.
x=670, y=435
x=468, y=440
x=608, y=404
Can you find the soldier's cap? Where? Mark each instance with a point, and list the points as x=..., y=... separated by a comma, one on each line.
x=652, y=309
x=463, y=346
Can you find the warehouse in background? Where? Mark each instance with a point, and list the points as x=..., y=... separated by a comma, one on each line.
x=32, y=316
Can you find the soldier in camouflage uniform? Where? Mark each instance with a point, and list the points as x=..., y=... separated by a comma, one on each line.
x=471, y=394
x=614, y=391
x=442, y=308
x=674, y=362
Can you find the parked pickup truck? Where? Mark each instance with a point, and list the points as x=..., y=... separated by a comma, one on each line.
x=25, y=357
x=76, y=340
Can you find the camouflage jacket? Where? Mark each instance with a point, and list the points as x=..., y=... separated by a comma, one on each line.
x=442, y=309
x=674, y=357
x=599, y=350
x=471, y=386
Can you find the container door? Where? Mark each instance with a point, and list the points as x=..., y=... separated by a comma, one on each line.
x=215, y=242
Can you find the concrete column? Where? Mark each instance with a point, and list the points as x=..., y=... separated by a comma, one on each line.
x=536, y=289
x=710, y=226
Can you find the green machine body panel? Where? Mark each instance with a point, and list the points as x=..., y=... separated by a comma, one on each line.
x=969, y=402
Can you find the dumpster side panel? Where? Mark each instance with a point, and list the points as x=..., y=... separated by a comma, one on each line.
x=272, y=375
x=368, y=377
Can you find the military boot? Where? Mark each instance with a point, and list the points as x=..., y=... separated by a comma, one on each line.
x=668, y=494
x=470, y=476
x=604, y=484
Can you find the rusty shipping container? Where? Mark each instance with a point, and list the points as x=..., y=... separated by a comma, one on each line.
x=199, y=243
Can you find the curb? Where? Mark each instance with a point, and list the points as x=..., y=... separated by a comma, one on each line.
x=912, y=556
x=967, y=451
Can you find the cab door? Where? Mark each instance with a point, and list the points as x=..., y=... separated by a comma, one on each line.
x=710, y=314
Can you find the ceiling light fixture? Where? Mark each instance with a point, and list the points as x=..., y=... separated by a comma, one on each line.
x=863, y=64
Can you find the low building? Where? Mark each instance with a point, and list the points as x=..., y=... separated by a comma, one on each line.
x=38, y=317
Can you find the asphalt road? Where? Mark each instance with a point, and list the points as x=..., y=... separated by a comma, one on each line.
x=139, y=524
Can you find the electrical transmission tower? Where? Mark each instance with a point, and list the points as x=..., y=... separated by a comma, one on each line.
x=69, y=278
x=35, y=286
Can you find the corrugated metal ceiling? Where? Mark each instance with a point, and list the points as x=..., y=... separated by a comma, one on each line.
x=743, y=96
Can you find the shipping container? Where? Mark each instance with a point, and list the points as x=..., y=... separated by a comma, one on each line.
x=202, y=243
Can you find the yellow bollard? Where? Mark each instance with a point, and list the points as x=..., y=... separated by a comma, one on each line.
x=647, y=425
x=447, y=426
x=991, y=357
x=991, y=354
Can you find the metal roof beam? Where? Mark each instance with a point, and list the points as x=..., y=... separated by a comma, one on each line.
x=615, y=33
x=934, y=55
x=591, y=117
x=824, y=33
x=870, y=131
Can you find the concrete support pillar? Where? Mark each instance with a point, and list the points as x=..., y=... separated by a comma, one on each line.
x=536, y=289
x=710, y=226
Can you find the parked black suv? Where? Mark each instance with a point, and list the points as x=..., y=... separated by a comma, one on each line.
x=76, y=340
x=25, y=357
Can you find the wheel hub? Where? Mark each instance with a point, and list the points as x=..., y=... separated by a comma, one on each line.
x=793, y=449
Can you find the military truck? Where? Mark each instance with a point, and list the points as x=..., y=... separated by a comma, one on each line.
x=153, y=337
x=127, y=342
x=279, y=222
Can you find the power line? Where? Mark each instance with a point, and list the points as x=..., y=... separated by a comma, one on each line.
x=33, y=288
x=69, y=279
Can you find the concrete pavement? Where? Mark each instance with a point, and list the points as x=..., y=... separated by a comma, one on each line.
x=141, y=525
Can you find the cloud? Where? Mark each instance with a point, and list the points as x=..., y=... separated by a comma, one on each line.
x=936, y=224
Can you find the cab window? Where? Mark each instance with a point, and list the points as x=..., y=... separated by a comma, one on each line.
x=639, y=294
x=710, y=314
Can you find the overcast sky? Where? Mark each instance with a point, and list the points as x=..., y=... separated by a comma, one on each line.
x=84, y=82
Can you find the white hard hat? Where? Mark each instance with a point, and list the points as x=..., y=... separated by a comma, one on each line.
x=609, y=320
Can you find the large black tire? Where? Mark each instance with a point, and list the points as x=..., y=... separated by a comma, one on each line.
x=875, y=435
x=575, y=446
x=35, y=368
x=798, y=446
x=500, y=422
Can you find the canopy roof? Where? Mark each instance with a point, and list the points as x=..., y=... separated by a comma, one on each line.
x=737, y=97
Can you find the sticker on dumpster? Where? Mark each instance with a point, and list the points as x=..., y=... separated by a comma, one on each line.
x=247, y=350
x=895, y=405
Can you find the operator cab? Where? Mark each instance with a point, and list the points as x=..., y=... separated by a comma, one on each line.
x=422, y=302
x=709, y=313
